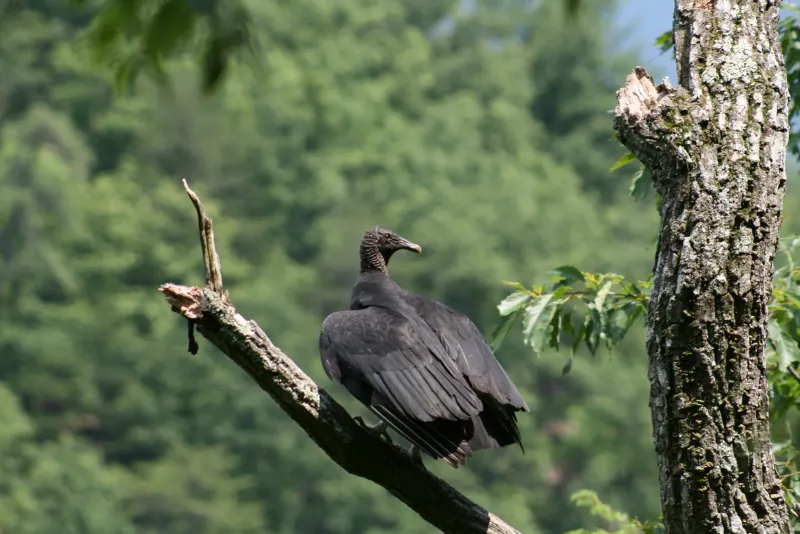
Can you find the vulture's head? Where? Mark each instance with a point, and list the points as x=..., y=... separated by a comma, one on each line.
x=382, y=242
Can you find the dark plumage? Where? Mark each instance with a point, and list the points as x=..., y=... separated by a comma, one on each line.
x=420, y=366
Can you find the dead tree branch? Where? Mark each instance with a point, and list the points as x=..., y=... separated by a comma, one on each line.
x=327, y=423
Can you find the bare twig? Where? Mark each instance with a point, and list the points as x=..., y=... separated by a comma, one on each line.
x=210, y=256
x=358, y=451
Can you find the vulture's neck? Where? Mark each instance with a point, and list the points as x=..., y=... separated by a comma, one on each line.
x=372, y=260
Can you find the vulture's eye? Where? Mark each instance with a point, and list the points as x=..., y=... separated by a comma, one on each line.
x=387, y=235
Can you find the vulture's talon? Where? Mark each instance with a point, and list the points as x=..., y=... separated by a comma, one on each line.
x=416, y=455
x=378, y=428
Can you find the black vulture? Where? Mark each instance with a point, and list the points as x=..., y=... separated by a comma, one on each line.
x=423, y=368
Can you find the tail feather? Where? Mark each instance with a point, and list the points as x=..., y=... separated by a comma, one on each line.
x=495, y=426
x=456, y=441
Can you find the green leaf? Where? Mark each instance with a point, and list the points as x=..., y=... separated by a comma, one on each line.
x=567, y=274
x=786, y=348
x=621, y=162
x=638, y=309
x=215, y=62
x=781, y=315
x=536, y=322
x=577, y=336
x=591, y=331
x=171, y=24
x=665, y=41
x=513, y=302
x=502, y=329
x=559, y=292
x=125, y=73
x=793, y=300
x=568, y=365
x=641, y=184
x=619, y=321
x=515, y=285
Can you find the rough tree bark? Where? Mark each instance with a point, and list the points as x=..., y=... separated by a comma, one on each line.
x=359, y=452
x=716, y=149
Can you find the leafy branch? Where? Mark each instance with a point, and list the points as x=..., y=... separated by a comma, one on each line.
x=609, y=305
x=128, y=37
x=599, y=309
x=641, y=183
x=621, y=522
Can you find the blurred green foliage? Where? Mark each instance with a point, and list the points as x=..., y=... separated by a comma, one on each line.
x=127, y=36
x=130, y=36
x=462, y=130
x=620, y=522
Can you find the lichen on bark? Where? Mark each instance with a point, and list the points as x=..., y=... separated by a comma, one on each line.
x=716, y=149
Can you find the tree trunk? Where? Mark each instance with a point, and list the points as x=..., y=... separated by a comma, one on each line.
x=716, y=149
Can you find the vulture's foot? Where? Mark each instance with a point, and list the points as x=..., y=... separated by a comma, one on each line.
x=416, y=455
x=378, y=428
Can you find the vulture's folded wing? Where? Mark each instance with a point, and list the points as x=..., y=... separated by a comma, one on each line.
x=382, y=350
x=378, y=356
x=469, y=349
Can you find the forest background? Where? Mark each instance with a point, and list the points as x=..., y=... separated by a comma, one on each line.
x=485, y=137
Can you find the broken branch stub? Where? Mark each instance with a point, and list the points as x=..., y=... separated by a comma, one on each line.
x=644, y=119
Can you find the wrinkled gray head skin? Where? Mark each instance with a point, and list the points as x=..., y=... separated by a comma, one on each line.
x=379, y=244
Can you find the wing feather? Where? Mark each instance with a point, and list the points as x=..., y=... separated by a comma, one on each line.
x=426, y=436
x=468, y=349
x=381, y=349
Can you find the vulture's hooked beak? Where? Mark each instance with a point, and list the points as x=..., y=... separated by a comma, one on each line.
x=408, y=245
